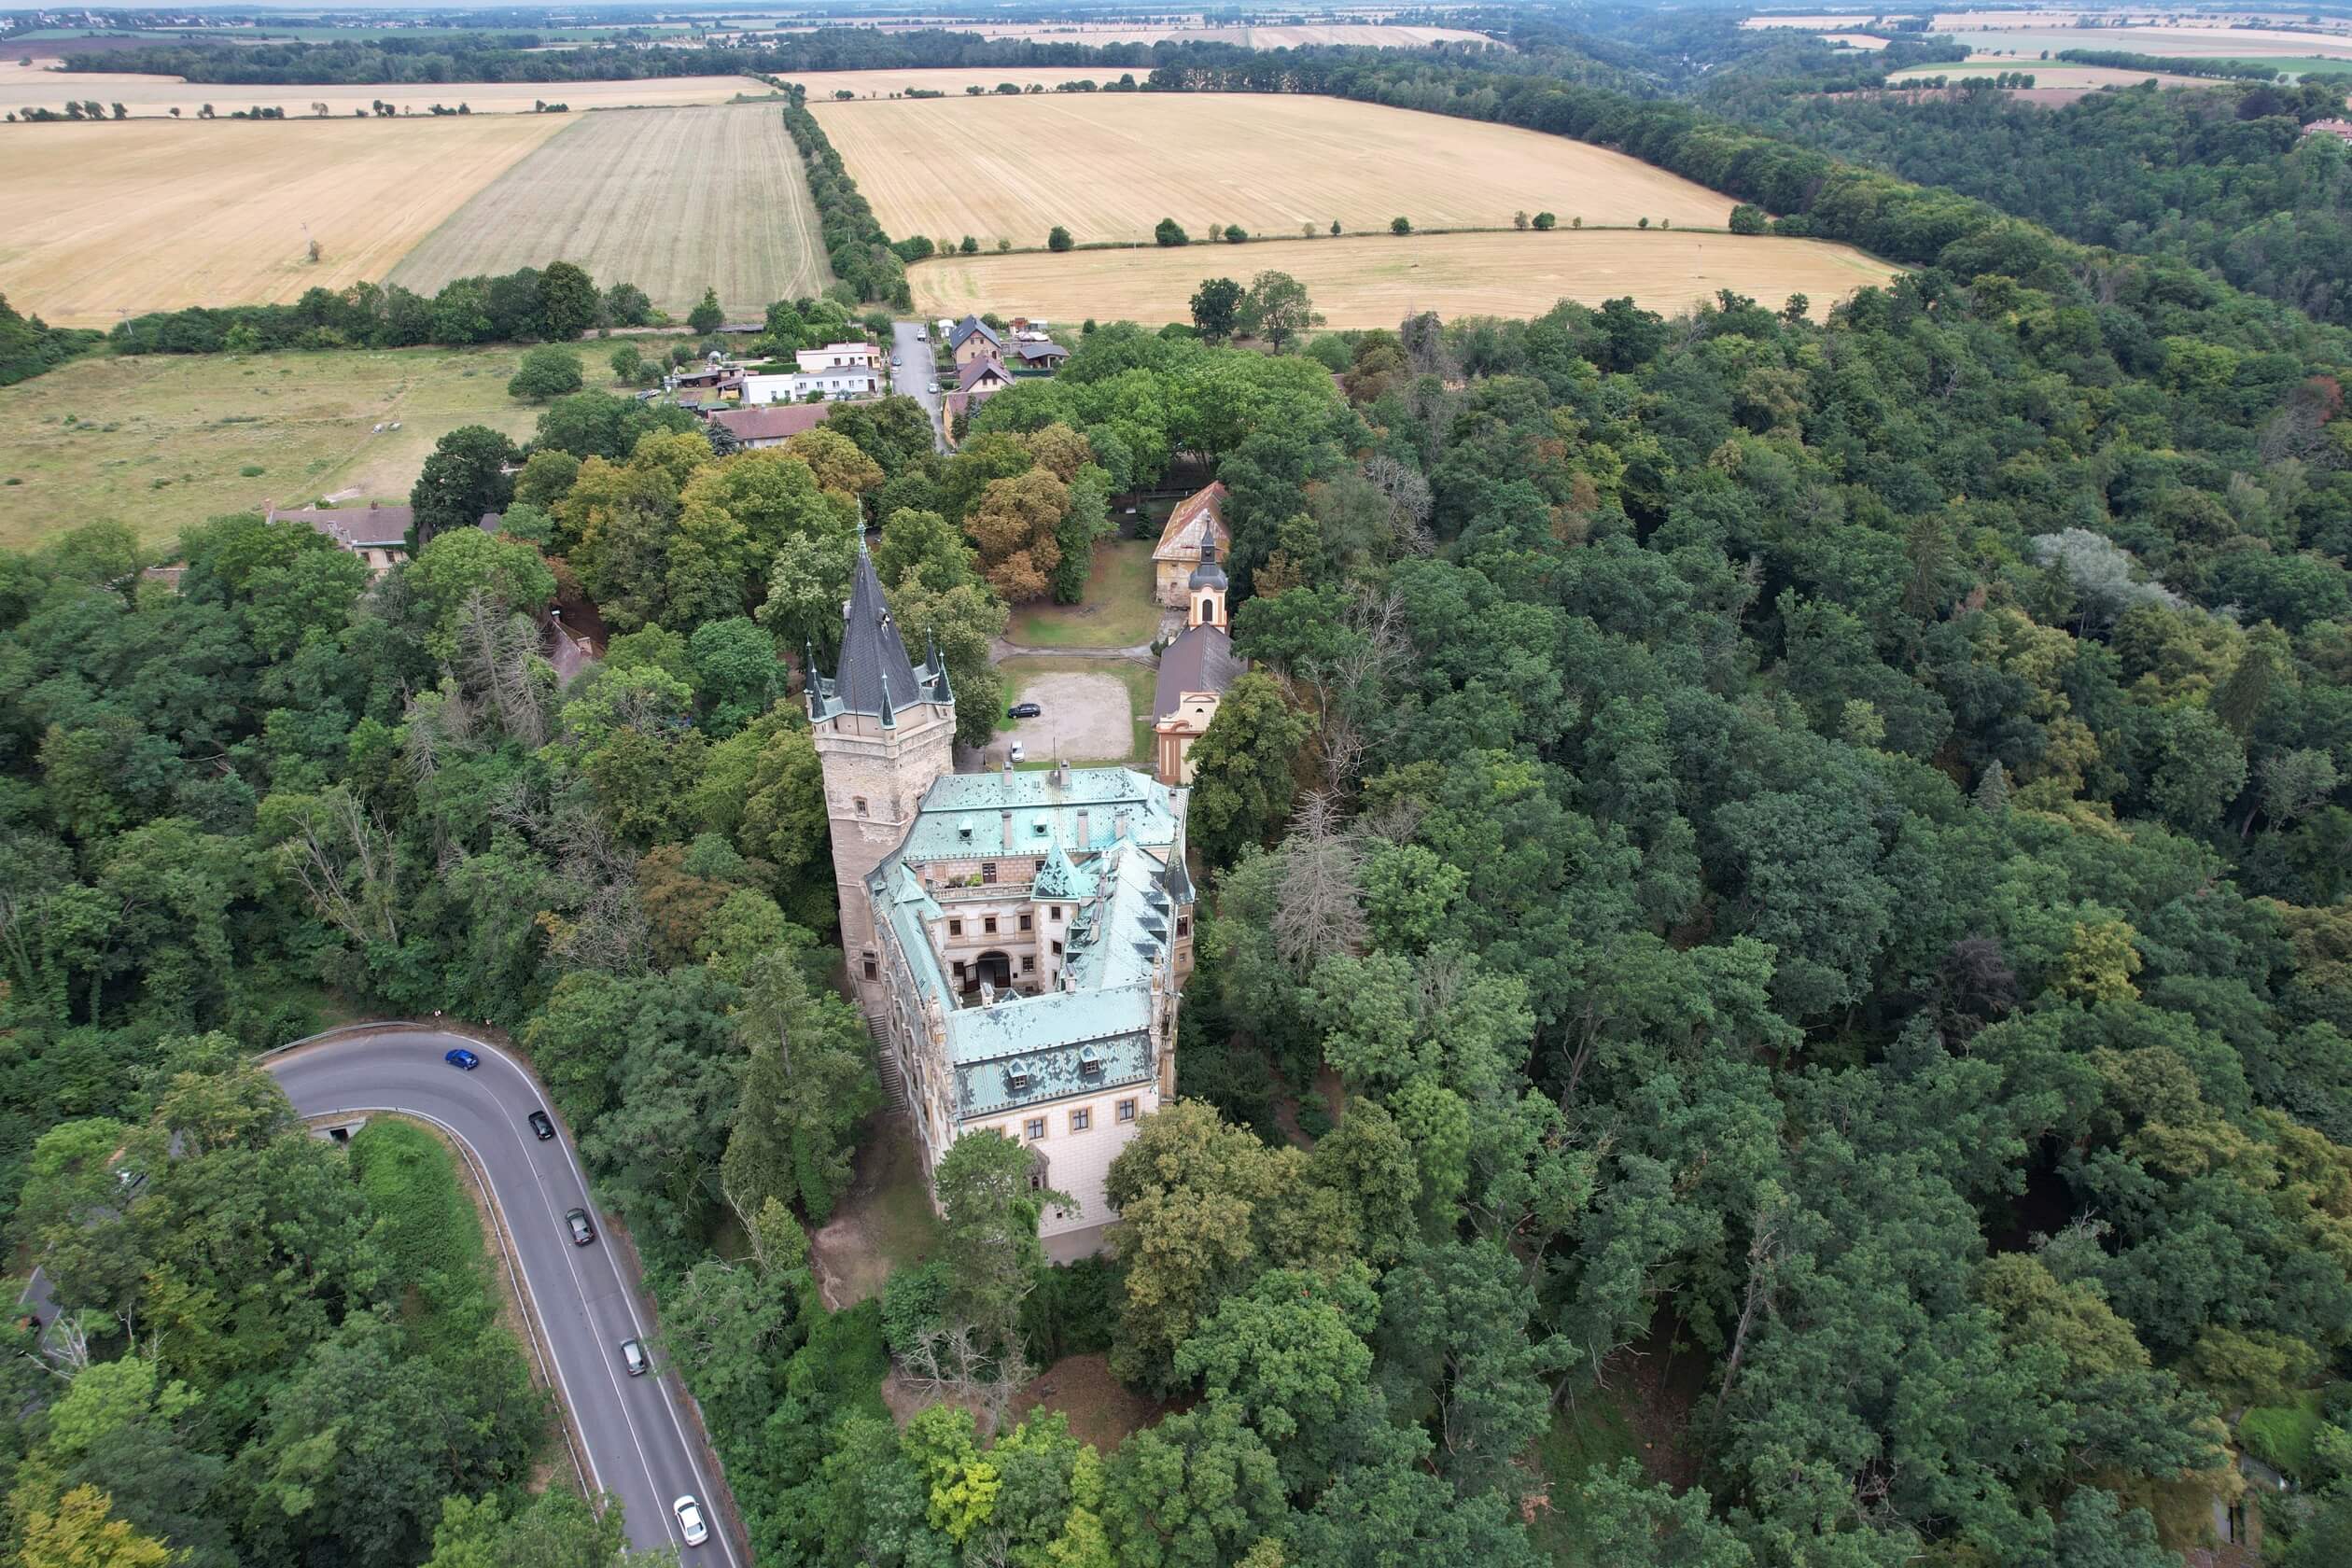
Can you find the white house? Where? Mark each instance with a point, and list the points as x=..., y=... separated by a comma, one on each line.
x=839, y=356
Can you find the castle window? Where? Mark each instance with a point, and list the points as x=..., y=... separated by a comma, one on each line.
x=987, y=871
x=1053, y=911
x=1184, y=925
x=1025, y=919
x=1127, y=1110
x=1034, y=1128
x=1029, y=965
x=871, y=972
x=955, y=928
x=858, y=804
x=1058, y=949
x=1082, y=1118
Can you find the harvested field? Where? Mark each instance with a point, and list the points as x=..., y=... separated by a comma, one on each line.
x=1865, y=41
x=1359, y=35
x=2199, y=43
x=952, y=80
x=2047, y=73
x=1111, y=166
x=162, y=440
x=110, y=219
x=1377, y=282
x=158, y=96
x=674, y=200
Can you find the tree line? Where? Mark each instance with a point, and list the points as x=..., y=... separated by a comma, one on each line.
x=556, y=303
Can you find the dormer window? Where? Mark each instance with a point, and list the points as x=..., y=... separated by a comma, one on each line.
x=1090, y=1062
x=1017, y=1080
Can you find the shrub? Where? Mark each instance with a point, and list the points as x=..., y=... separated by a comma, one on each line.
x=2284, y=1436
x=1748, y=218
x=1400, y=225
x=969, y=246
x=914, y=1305
x=1069, y=1313
x=1519, y=218
x=1236, y=234
x=548, y=371
x=1170, y=232
x=1544, y=221
x=252, y=470
x=1060, y=239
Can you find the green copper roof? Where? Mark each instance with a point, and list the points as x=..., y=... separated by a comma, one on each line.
x=1056, y=878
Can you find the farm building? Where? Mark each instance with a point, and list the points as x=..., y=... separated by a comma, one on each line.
x=2340, y=129
x=1196, y=533
x=1034, y=351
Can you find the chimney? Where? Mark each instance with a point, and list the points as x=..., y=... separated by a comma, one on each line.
x=1061, y=773
x=1008, y=829
x=1123, y=822
x=1085, y=841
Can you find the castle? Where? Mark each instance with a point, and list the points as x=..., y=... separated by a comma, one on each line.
x=1018, y=940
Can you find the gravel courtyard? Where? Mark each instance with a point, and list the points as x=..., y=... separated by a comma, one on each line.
x=1088, y=717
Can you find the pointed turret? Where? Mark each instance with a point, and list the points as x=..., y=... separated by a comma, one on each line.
x=874, y=674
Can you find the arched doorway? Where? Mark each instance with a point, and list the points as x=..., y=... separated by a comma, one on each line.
x=992, y=966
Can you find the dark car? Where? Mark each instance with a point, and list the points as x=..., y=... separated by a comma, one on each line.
x=1023, y=711
x=462, y=1057
x=582, y=1231
x=541, y=1126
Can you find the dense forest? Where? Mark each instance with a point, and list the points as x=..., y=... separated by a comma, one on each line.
x=1816, y=855
x=2222, y=177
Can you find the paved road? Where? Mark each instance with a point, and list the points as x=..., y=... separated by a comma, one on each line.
x=913, y=374
x=635, y=1428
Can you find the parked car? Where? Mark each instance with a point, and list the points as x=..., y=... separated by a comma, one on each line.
x=938, y=386
x=896, y=361
x=1017, y=753
x=690, y=1521
x=462, y=1058
x=582, y=1231
x=540, y=1127
x=1023, y=711
x=633, y=1357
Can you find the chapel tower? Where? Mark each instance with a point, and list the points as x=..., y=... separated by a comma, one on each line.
x=885, y=729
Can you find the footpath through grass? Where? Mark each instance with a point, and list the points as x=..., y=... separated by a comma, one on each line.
x=1117, y=611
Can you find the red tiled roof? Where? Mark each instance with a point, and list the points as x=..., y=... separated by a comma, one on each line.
x=1198, y=518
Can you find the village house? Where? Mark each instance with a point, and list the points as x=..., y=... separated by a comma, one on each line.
x=378, y=535
x=1194, y=672
x=1018, y=940
x=973, y=339
x=770, y=425
x=1196, y=532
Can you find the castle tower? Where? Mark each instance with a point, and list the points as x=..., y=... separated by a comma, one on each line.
x=1205, y=590
x=885, y=728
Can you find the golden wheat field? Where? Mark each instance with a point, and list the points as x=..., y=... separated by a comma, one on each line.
x=21, y=88
x=105, y=220
x=2044, y=73
x=1378, y=281
x=674, y=200
x=1110, y=166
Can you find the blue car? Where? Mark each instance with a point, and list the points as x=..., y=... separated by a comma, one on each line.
x=462, y=1058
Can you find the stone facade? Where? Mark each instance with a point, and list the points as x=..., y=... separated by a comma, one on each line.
x=1019, y=941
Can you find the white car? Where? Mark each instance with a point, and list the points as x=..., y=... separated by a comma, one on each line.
x=895, y=360
x=690, y=1521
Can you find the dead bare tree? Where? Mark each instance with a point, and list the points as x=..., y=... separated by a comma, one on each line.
x=497, y=656
x=1767, y=1249
x=1319, y=907
x=344, y=858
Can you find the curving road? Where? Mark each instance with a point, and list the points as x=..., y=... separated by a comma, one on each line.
x=634, y=1428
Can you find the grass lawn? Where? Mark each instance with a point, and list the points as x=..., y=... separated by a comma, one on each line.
x=1118, y=610
x=161, y=441
x=1023, y=674
x=1592, y=1435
